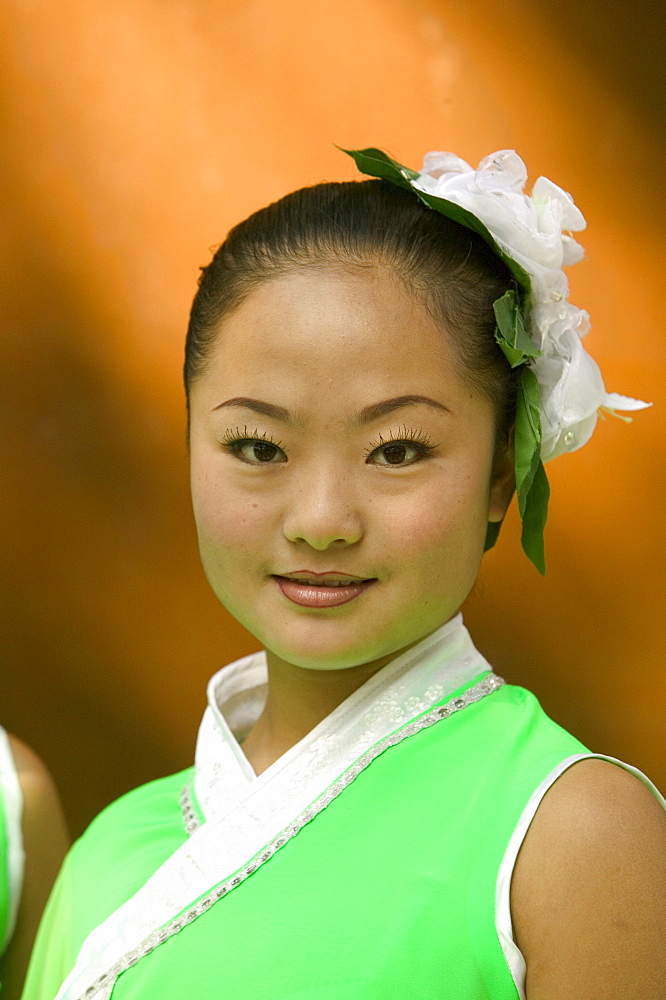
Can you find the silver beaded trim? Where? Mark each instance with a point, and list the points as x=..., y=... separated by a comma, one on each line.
x=485, y=687
x=190, y=818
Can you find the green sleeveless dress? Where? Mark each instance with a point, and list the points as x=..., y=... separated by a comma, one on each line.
x=11, y=848
x=397, y=889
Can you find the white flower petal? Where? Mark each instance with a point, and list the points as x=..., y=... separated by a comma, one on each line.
x=503, y=169
x=572, y=252
x=534, y=231
x=545, y=191
x=435, y=164
x=572, y=390
x=570, y=439
x=614, y=401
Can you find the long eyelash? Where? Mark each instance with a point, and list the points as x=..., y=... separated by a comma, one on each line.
x=405, y=435
x=233, y=440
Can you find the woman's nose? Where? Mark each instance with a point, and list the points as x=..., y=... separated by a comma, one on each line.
x=322, y=511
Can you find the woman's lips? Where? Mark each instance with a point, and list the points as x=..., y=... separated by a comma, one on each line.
x=320, y=595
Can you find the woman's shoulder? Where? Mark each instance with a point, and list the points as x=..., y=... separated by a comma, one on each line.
x=37, y=785
x=595, y=807
x=39, y=815
x=597, y=804
x=43, y=825
x=588, y=896
x=41, y=806
x=37, y=841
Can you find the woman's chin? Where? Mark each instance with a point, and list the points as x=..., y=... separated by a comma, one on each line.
x=324, y=652
x=320, y=659
x=339, y=649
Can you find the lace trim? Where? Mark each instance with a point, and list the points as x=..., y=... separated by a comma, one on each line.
x=106, y=981
x=191, y=821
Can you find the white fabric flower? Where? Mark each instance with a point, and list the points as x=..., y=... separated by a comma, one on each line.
x=534, y=230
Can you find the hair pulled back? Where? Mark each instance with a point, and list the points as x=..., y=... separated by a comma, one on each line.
x=352, y=226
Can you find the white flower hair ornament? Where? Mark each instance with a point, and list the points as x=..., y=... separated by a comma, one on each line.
x=561, y=388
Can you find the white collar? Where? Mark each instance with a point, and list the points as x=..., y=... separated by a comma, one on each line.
x=247, y=816
x=406, y=686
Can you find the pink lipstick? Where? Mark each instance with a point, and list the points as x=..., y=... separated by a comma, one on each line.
x=321, y=590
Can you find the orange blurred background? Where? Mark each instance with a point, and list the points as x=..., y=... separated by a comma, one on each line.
x=135, y=133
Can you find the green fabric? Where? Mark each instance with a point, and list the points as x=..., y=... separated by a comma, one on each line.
x=388, y=894
x=121, y=848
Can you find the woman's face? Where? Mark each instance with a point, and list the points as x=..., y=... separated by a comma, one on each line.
x=342, y=469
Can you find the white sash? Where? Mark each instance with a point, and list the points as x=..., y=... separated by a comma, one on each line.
x=245, y=815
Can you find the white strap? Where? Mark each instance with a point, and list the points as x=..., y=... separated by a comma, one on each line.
x=512, y=953
x=11, y=801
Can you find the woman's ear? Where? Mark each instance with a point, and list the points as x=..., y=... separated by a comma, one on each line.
x=503, y=482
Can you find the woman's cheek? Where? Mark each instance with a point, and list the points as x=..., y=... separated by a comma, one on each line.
x=444, y=530
x=230, y=550
x=428, y=519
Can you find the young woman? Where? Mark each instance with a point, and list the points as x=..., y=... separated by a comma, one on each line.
x=372, y=369
x=33, y=842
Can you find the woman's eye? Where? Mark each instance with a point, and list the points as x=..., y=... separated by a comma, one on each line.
x=397, y=453
x=258, y=452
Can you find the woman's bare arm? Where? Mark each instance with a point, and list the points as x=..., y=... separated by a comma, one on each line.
x=45, y=840
x=588, y=897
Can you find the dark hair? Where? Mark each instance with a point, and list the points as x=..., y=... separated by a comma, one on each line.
x=354, y=225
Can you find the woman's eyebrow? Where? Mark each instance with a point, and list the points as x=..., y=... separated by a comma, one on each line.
x=365, y=416
x=376, y=410
x=259, y=406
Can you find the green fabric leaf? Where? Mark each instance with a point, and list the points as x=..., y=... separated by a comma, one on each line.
x=376, y=163
x=510, y=332
x=534, y=518
x=527, y=436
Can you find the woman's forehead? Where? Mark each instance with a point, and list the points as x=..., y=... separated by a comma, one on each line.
x=316, y=318
x=329, y=345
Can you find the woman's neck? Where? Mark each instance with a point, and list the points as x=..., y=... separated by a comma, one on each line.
x=298, y=700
